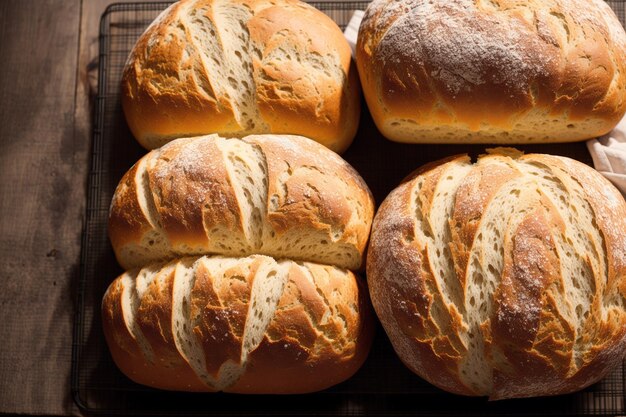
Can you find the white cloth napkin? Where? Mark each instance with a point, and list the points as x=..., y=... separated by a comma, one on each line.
x=609, y=155
x=352, y=30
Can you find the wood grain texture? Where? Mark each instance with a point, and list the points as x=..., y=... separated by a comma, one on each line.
x=48, y=51
x=42, y=164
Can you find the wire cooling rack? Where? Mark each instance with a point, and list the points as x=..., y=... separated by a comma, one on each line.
x=619, y=7
x=382, y=387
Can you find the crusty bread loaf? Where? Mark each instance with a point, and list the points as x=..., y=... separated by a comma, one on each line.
x=283, y=196
x=504, y=278
x=246, y=325
x=492, y=71
x=238, y=67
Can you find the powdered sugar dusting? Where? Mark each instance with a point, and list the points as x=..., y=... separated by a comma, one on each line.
x=615, y=29
x=152, y=27
x=607, y=203
x=549, y=247
x=463, y=47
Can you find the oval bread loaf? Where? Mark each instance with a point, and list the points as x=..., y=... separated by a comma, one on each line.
x=492, y=71
x=238, y=67
x=244, y=325
x=504, y=278
x=282, y=196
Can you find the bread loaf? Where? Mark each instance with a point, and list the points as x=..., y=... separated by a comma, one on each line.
x=245, y=325
x=283, y=196
x=239, y=67
x=492, y=71
x=504, y=278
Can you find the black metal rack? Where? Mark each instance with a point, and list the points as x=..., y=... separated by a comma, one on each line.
x=382, y=387
x=619, y=7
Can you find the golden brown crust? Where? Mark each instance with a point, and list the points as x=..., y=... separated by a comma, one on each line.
x=221, y=311
x=283, y=195
x=492, y=72
x=315, y=206
x=154, y=321
x=314, y=188
x=241, y=67
x=126, y=217
x=537, y=342
x=127, y=352
x=318, y=335
x=398, y=269
x=328, y=110
x=472, y=197
x=192, y=192
x=306, y=345
x=528, y=298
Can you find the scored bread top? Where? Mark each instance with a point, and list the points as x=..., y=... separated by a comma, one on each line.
x=283, y=196
x=238, y=67
x=225, y=324
x=504, y=278
x=492, y=71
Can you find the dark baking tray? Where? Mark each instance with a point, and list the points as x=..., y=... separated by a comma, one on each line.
x=382, y=387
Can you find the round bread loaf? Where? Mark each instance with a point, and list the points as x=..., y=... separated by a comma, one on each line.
x=282, y=196
x=504, y=278
x=239, y=67
x=245, y=325
x=492, y=71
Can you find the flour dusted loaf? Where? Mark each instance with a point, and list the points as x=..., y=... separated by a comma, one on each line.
x=202, y=307
x=238, y=67
x=245, y=325
x=492, y=71
x=278, y=195
x=504, y=278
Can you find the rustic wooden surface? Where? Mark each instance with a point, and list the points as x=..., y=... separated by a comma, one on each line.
x=47, y=79
x=43, y=157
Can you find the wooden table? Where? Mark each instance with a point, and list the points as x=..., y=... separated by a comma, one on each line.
x=48, y=51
